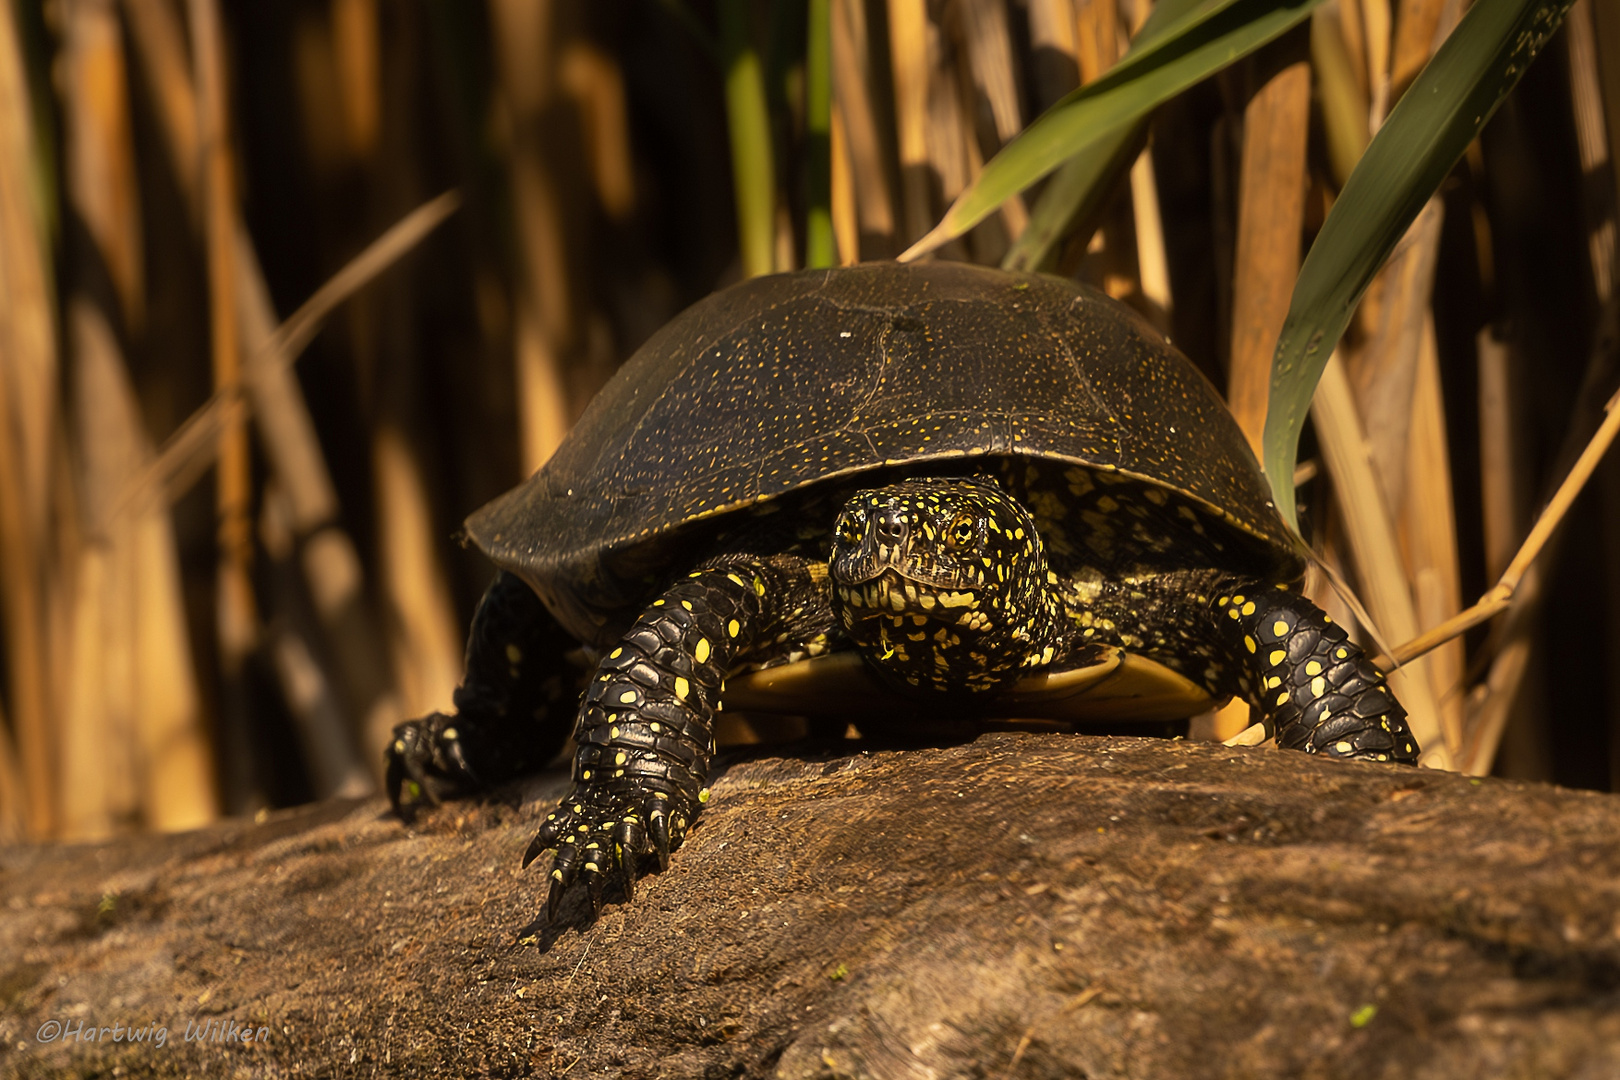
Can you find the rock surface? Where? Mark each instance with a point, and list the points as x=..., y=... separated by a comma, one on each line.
x=1021, y=906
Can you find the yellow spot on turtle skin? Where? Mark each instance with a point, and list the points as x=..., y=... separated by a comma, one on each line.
x=702, y=650
x=659, y=602
x=399, y=746
x=682, y=687
x=733, y=628
x=1318, y=686
x=1313, y=668
x=759, y=587
x=703, y=795
x=514, y=655
x=1237, y=600
x=1342, y=653
x=1282, y=698
x=1249, y=643
x=1327, y=618
x=736, y=580
x=1272, y=682
x=618, y=759
x=1343, y=747
x=1279, y=628
x=1277, y=656
x=1248, y=609
x=1235, y=613
x=614, y=655
x=585, y=774
x=627, y=698
x=687, y=604
x=1222, y=602
x=613, y=733
x=556, y=875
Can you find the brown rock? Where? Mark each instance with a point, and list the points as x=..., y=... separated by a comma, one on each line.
x=1024, y=906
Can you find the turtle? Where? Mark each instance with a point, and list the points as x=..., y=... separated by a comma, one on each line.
x=907, y=490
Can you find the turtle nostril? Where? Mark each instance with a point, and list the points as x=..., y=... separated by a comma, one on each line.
x=891, y=526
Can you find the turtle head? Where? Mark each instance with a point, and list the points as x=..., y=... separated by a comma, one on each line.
x=942, y=584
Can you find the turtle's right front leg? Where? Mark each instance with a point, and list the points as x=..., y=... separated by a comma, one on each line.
x=646, y=728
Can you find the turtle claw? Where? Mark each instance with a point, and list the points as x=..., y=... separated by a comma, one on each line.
x=426, y=762
x=599, y=840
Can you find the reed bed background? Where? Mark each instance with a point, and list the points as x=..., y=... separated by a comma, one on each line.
x=225, y=577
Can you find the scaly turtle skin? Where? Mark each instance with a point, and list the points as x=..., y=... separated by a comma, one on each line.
x=967, y=477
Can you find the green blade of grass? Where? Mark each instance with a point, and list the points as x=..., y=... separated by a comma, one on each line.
x=818, y=234
x=1192, y=40
x=1425, y=135
x=753, y=169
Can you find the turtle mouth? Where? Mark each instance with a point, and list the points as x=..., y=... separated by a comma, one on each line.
x=890, y=592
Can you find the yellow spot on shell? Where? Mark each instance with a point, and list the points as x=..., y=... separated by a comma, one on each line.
x=1282, y=698
x=1277, y=656
x=1343, y=747
x=1318, y=686
x=1313, y=668
x=733, y=627
x=627, y=697
x=682, y=687
x=1279, y=628
x=1248, y=643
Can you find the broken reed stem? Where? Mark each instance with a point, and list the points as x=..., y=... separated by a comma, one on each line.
x=190, y=449
x=1500, y=595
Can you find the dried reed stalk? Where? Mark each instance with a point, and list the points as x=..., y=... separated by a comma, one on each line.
x=988, y=44
x=873, y=205
x=1152, y=260
x=28, y=419
x=134, y=748
x=427, y=648
x=100, y=148
x=236, y=608
x=1371, y=533
x=1430, y=532
x=1271, y=215
x=1375, y=22
x=1384, y=370
x=593, y=80
x=1504, y=485
x=524, y=64
x=134, y=708
x=908, y=60
x=1054, y=54
x=1415, y=25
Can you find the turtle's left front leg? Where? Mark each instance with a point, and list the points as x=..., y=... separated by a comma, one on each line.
x=646, y=728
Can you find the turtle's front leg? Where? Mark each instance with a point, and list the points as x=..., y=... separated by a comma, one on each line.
x=510, y=713
x=1314, y=687
x=646, y=728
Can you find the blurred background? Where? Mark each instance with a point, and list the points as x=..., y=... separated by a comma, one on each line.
x=225, y=577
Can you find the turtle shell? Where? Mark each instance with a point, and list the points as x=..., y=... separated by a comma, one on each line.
x=794, y=380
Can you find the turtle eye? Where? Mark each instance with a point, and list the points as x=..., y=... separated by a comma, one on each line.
x=961, y=534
